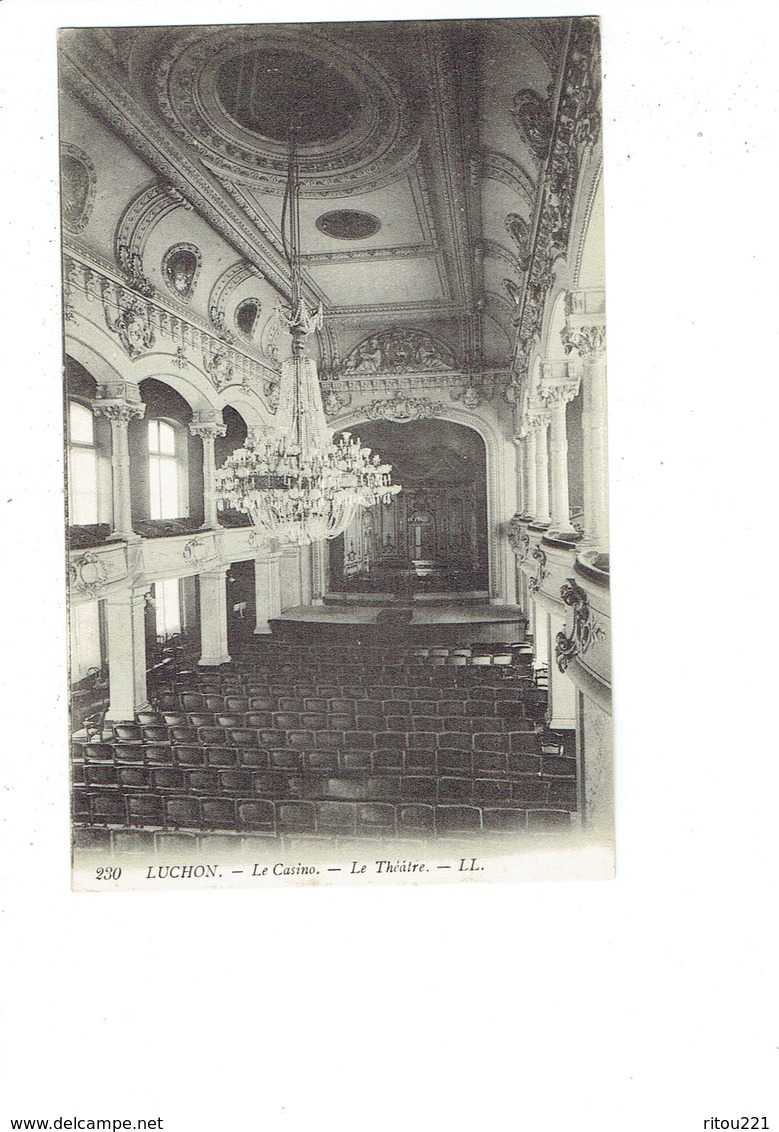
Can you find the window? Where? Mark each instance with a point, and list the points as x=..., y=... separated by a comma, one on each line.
x=167, y=604
x=82, y=465
x=84, y=640
x=164, y=488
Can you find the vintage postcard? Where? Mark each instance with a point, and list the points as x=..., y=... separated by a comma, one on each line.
x=337, y=485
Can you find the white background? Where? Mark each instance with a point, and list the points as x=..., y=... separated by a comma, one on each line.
x=648, y=1002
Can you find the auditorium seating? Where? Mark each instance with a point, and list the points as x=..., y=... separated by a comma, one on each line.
x=296, y=740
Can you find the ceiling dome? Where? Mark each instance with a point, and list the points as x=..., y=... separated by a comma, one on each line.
x=234, y=93
x=268, y=91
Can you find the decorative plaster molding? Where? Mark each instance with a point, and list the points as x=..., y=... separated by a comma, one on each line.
x=399, y=351
x=138, y=220
x=207, y=429
x=198, y=550
x=586, y=340
x=576, y=126
x=187, y=334
x=486, y=163
x=371, y=255
x=586, y=629
x=519, y=539
x=181, y=266
x=377, y=148
x=129, y=320
x=78, y=185
x=532, y=114
x=96, y=85
x=534, y=585
x=401, y=409
x=119, y=410
x=89, y=573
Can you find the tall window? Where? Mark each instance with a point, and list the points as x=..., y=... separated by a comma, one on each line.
x=163, y=471
x=82, y=465
x=167, y=605
x=84, y=640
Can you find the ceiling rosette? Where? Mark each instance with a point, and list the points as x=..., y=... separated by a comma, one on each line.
x=221, y=88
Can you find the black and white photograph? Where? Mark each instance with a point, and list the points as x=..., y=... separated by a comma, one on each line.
x=334, y=338
x=333, y=793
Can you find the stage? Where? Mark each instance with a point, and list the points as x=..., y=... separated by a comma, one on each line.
x=444, y=619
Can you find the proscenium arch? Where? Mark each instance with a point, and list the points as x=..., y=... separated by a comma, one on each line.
x=500, y=503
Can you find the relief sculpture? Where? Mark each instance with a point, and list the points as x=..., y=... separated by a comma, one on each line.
x=399, y=351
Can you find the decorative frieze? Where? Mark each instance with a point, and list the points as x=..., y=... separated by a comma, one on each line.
x=401, y=409
x=141, y=321
x=399, y=351
x=576, y=125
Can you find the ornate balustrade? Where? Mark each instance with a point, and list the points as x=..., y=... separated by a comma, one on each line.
x=102, y=570
x=140, y=323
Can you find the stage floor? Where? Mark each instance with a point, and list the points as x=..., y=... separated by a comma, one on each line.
x=456, y=620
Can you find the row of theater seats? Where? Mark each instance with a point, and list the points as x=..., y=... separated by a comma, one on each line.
x=292, y=739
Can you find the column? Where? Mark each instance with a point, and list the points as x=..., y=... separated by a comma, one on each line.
x=540, y=424
x=556, y=397
x=267, y=591
x=540, y=636
x=562, y=690
x=207, y=427
x=213, y=617
x=320, y=564
x=305, y=575
x=530, y=472
x=126, y=624
x=585, y=332
x=519, y=456
x=120, y=413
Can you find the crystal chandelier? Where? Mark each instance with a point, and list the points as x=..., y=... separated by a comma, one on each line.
x=295, y=480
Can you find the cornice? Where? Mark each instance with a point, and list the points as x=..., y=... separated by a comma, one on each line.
x=371, y=255
x=575, y=130
x=431, y=307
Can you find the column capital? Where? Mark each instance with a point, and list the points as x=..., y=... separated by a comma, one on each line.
x=538, y=419
x=560, y=393
x=585, y=321
x=207, y=424
x=115, y=410
x=586, y=340
x=119, y=391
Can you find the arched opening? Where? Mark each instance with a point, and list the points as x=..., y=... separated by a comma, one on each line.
x=224, y=446
x=432, y=536
x=167, y=489
x=88, y=469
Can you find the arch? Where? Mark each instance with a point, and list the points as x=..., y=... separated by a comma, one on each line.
x=589, y=270
x=162, y=367
x=588, y=242
x=500, y=502
x=97, y=365
x=251, y=413
x=555, y=324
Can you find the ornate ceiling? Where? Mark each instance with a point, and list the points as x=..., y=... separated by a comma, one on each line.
x=421, y=149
